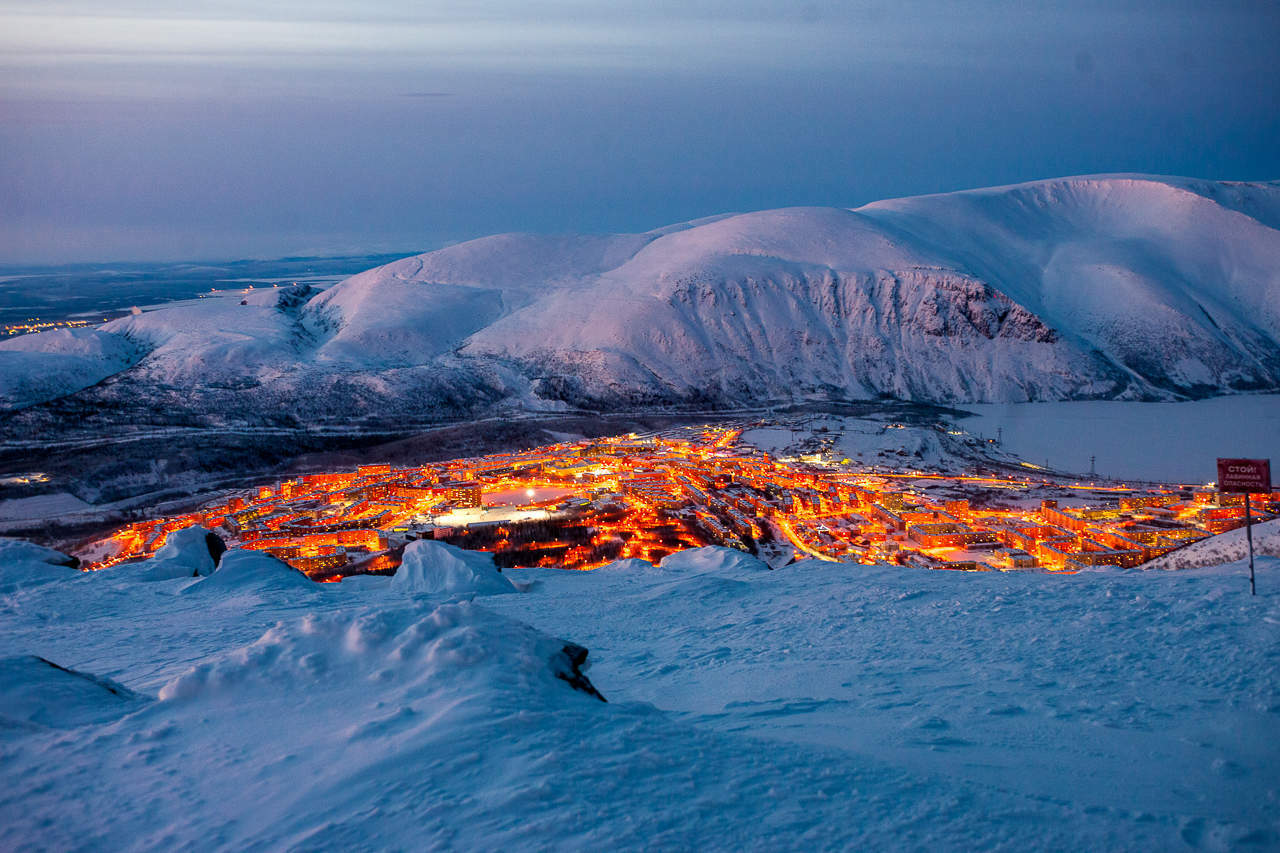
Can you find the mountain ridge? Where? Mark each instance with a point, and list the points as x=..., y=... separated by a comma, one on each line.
x=1092, y=287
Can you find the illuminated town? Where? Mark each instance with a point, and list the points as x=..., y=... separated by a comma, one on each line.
x=35, y=324
x=584, y=504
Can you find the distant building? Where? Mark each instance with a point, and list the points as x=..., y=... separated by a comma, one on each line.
x=463, y=494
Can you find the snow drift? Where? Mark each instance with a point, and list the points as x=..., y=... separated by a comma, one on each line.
x=244, y=570
x=822, y=706
x=712, y=560
x=24, y=564
x=453, y=648
x=186, y=553
x=437, y=568
x=38, y=692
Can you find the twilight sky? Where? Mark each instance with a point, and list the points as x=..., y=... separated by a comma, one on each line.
x=148, y=130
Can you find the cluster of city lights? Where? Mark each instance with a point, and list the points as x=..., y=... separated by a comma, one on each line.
x=580, y=505
x=35, y=324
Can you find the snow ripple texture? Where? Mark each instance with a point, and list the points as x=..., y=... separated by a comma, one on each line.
x=820, y=706
x=389, y=649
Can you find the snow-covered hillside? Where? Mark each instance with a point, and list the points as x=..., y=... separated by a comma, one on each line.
x=1232, y=546
x=45, y=366
x=820, y=706
x=1125, y=287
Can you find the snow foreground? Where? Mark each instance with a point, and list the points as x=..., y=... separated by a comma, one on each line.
x=191, y=552
x=23, y=564
x=819, y=706
x=1095, y=287
x=438, y=568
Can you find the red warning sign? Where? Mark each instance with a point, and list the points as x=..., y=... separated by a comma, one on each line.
x=1244, y=475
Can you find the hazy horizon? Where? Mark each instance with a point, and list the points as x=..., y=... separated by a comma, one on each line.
x=132, y=132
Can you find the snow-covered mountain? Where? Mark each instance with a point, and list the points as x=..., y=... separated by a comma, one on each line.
x=1126, y=287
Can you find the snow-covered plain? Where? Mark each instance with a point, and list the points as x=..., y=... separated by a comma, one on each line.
x=41, y=506
x=1170, y=442
x=818, y=706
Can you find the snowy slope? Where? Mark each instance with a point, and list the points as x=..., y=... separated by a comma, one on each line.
x=819, y=706
x=1089, y=287
x=1124, y=287
x=231, y=339
x=45, y=366
x=1228, y=547
x=1168, y=277
x=409, y=311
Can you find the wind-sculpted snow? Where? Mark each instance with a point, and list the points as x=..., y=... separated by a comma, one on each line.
x=514, y=262
x=819, y=706
x=438, y=568
x=24, y=564
x=1120, y=287
x=712, y=560
x=242, y=571
x=448, y=650
x=35, y=692
x=186, y=554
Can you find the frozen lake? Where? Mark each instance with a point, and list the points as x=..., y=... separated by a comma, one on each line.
x=1152, y=441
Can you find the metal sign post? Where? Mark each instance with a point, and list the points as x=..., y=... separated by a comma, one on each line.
x=1248, y=476
x=1248, y=534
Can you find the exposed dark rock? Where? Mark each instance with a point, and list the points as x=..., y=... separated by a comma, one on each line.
x=216, y=547
x=568, y=666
